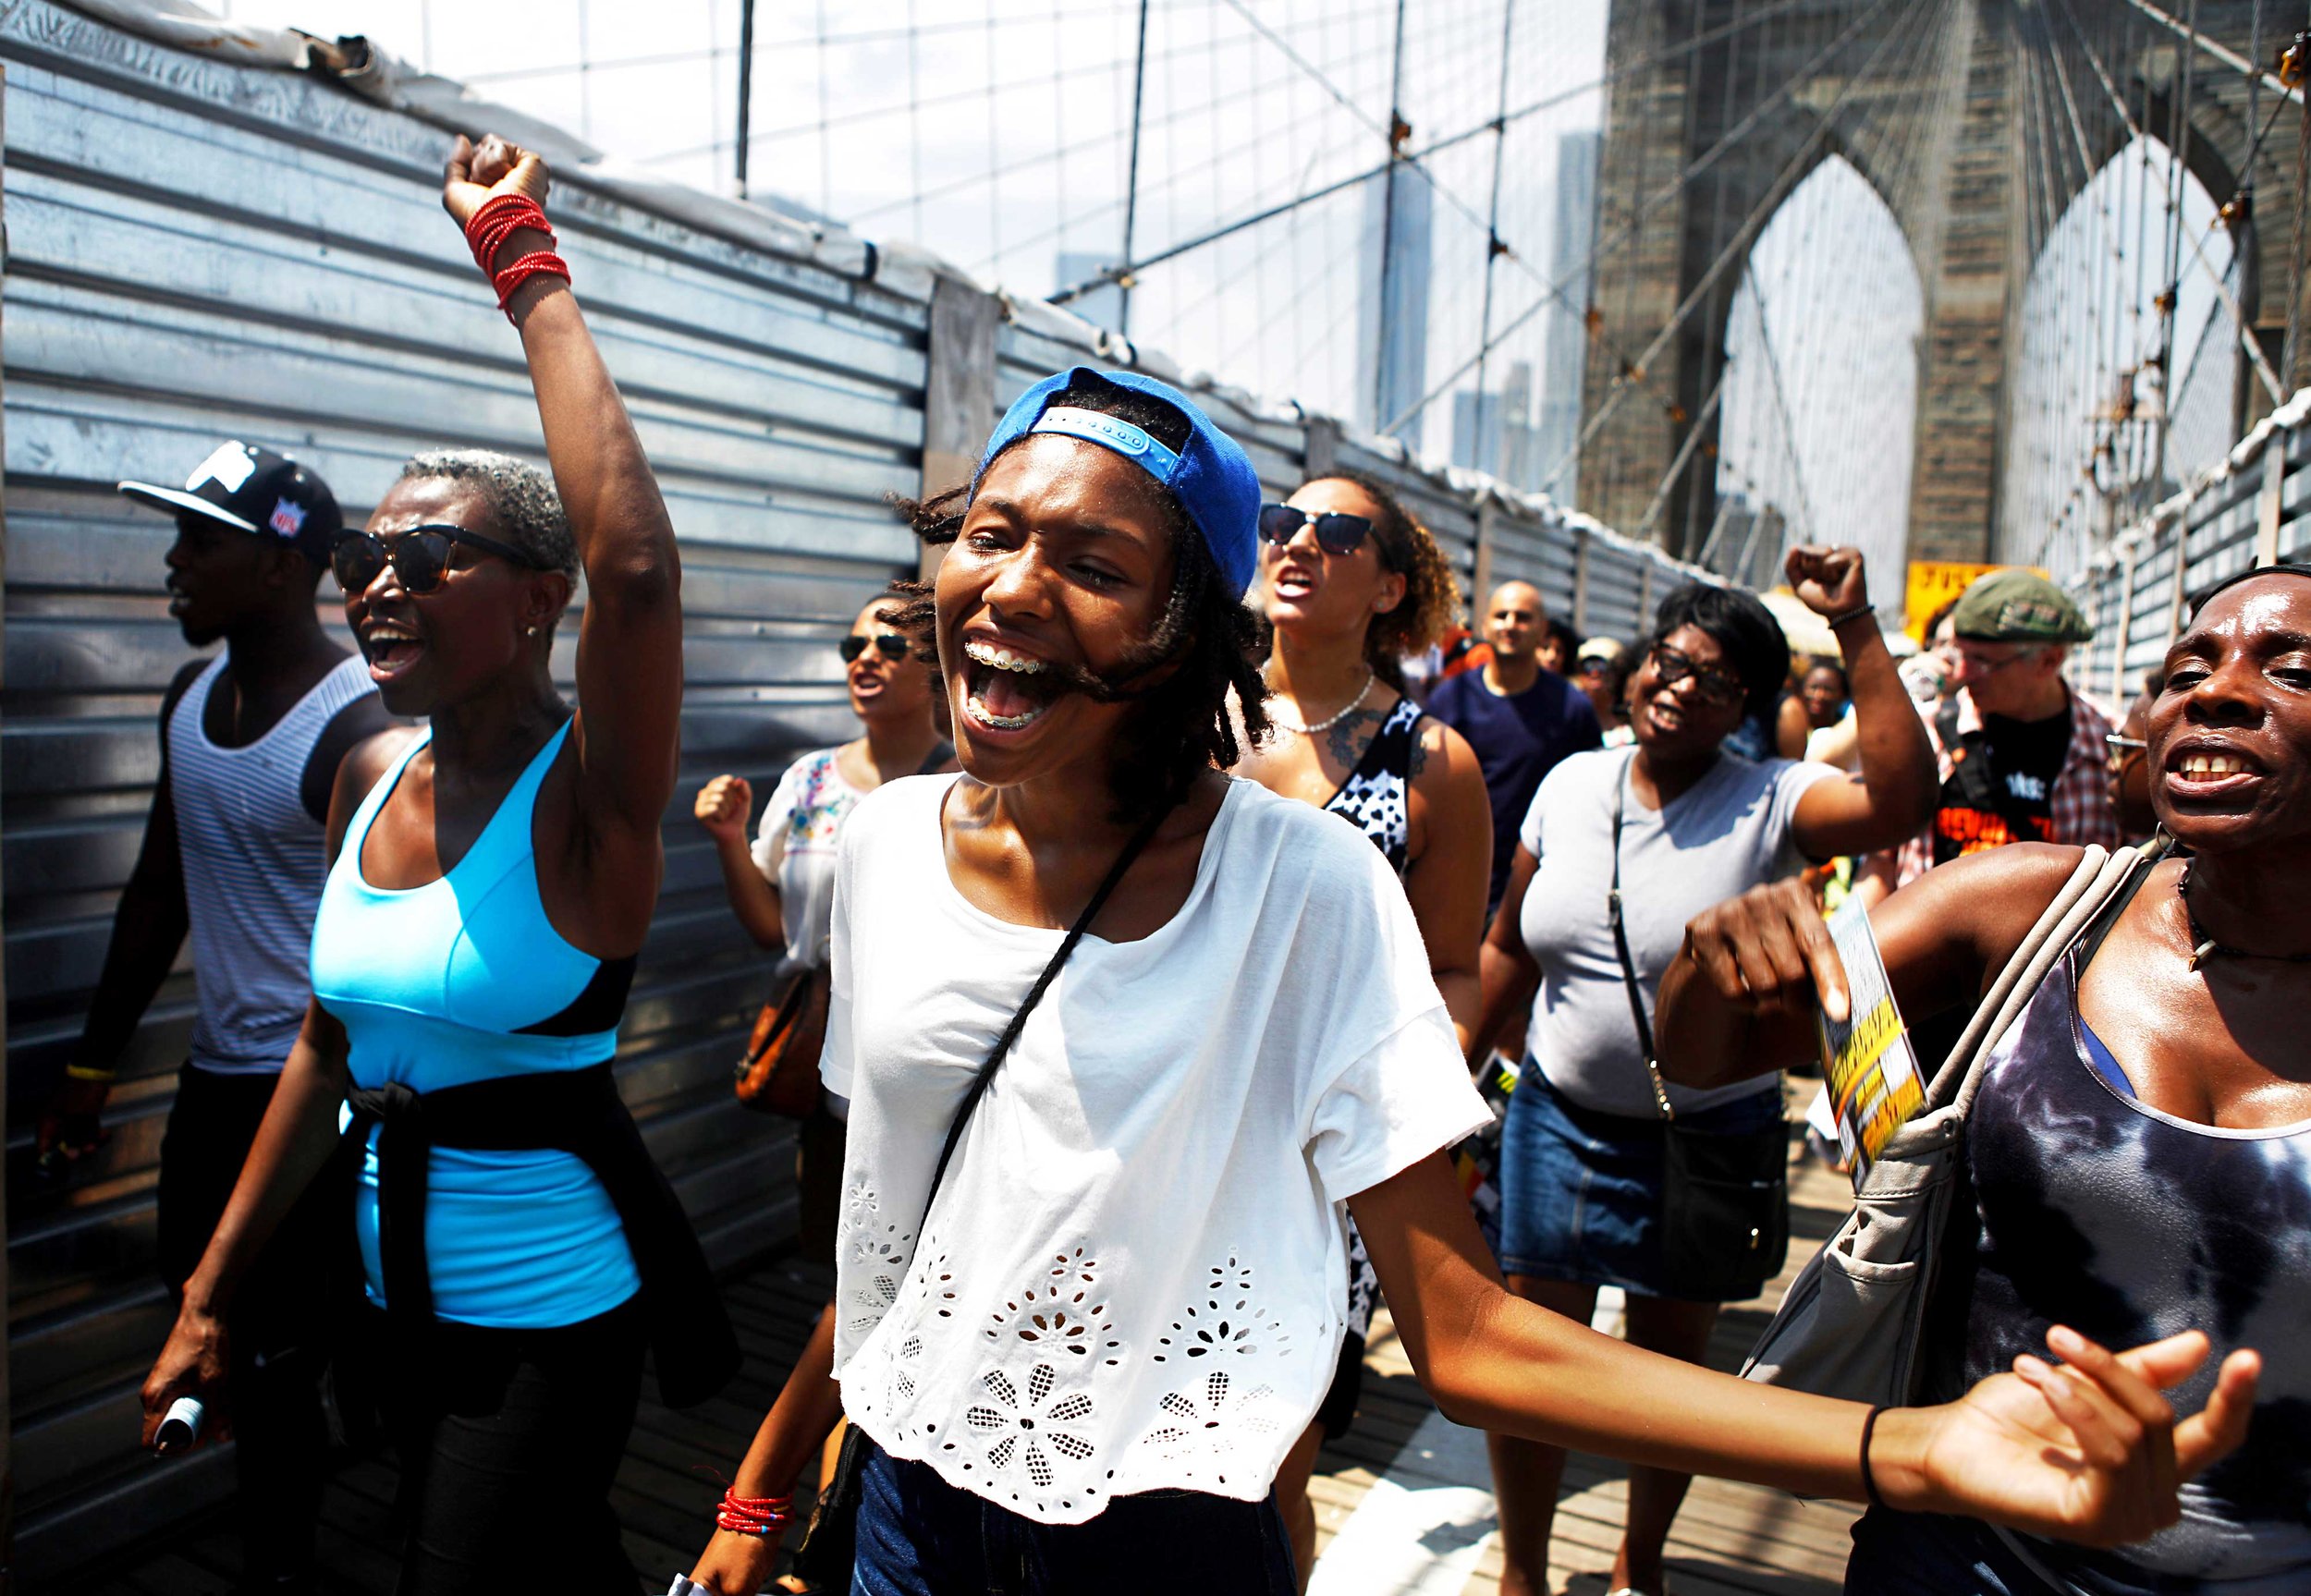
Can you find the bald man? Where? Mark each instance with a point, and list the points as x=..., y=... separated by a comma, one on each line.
x=1520, y=718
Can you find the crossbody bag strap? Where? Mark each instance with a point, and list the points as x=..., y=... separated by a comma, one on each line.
x=1003, y=1043
x=1629, y=965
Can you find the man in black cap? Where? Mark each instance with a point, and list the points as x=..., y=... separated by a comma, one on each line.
x=2022, y=756
x=234, y=854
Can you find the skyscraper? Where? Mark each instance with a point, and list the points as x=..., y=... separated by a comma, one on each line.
x=1392, y=300
x=1573, y=235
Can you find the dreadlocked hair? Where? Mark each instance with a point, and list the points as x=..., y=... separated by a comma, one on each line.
x=1182, y=725
x=1432, y=595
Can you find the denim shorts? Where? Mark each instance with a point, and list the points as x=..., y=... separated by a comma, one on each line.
x=919, y=1536
x=1581, y=1191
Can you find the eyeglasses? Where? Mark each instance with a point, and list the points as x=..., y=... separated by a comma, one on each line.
x=1981, y=666
x=1336, y=532
x=891, y=645
x=1593, y=666
x=419, y=557
x=1720, y=687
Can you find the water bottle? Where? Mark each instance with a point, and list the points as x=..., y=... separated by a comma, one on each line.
x=180, y=1427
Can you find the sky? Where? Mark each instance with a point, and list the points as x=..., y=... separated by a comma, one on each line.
x=999, y=133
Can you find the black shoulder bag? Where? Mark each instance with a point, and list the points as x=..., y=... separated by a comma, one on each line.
x=829, y=1545
x=1725, y=1200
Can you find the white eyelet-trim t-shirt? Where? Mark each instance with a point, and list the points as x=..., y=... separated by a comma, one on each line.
x=1134, y=1277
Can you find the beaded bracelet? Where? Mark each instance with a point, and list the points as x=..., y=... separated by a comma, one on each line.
x=762, y=1516
x=498, y=219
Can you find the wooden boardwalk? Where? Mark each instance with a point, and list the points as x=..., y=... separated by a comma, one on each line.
x=1730, y=1540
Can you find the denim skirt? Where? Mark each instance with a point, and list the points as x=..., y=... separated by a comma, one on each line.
x=1581, y=1191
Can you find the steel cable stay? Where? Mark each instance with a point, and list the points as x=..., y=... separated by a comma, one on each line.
x=1669, y=191
x=1776, y=191
x=1114, y=274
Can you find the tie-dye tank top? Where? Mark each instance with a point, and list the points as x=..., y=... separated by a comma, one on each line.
x=2099, y=1212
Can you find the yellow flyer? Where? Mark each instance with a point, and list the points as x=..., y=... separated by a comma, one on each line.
x=1867, y=1059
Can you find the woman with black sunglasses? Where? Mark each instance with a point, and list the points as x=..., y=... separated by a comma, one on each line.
x=1676, y=823
x=1350, y=584
x=492, y=885
x=782, y=889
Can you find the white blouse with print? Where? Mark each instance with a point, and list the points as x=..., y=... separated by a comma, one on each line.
x=1133, y=1278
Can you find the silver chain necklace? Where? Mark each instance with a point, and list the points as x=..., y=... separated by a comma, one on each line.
x=1285, y=723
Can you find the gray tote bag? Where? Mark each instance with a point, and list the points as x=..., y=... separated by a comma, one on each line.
x=1853, y=1324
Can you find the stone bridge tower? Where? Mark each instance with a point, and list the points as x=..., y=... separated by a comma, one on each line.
x=1976, y=121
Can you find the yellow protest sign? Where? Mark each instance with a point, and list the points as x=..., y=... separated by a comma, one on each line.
x=1934, y=583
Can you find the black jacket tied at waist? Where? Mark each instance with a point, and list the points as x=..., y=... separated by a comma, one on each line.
x=577, y=1112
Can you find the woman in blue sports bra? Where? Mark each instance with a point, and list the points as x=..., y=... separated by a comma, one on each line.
x=492, y=879
x=2139, y=1146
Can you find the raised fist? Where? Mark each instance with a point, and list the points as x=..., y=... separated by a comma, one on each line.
x=722, y=807
x=1830, y=581
x=474, y=175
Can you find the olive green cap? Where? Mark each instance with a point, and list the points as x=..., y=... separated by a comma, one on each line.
x=2018, y=606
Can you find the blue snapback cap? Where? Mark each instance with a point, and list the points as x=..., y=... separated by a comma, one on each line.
x=1211, y=476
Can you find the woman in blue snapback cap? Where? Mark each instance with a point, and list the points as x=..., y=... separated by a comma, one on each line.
x=1122, y=1035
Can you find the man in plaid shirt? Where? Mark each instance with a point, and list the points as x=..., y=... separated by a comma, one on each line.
x=2022, y=757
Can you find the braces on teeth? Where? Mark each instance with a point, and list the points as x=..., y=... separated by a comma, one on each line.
x=1004, y=659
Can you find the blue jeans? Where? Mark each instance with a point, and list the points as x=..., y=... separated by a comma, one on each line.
x=919, y=1536
x=1926, y=1554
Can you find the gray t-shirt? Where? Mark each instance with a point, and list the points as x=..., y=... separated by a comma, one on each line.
x=1728, y=833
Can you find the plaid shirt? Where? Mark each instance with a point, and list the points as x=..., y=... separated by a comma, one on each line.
x=2080, y=801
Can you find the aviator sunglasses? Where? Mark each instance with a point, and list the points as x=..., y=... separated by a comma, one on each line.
x=1336, y=532
x=419, y=557
x=891, y=645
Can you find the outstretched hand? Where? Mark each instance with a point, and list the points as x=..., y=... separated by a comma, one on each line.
x=475, y=174
x=2086, y=1451
x=1830, y=581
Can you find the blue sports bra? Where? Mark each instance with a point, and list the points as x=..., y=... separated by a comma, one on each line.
x=464, y=979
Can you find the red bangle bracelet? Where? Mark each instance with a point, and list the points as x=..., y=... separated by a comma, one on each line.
x=540, y=264
x=497, y=219
x=764, y=1516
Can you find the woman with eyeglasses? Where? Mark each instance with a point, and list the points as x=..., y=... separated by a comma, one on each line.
x=1676, y=823
x=1350, y=584
x=783, y=888
x=492, y=885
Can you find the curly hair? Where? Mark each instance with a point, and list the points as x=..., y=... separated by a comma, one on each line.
x=1432, y=594
x=520, y=497
x=1182, y=726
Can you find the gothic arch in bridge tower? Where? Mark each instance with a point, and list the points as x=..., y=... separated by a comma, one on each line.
x=1976, y=122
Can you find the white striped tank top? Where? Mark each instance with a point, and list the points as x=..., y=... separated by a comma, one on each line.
x=254, y=861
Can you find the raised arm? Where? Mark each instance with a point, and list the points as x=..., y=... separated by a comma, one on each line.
x=1895, y=792
x=2088, y=1452
x=1445, y=883
x=1506, y=973
x=721, y=810
x=630, y=643
x=1739, y=998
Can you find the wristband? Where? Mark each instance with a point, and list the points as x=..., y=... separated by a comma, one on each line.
x=760, y=1515
x=91, y=1073
x=1869, y=1480
x=1853, y=614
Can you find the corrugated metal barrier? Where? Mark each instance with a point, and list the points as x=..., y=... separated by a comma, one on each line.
x=2252, y=507
x=199, y=250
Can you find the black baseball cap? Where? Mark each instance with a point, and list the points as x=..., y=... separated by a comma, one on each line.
x=254, y=490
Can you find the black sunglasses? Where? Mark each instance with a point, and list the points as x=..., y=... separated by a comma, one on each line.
x=419, y=557
x=891, y=645
x=1336, y=532
x=1720, y=687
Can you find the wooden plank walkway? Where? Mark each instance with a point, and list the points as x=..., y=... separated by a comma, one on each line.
x=1730, y=1540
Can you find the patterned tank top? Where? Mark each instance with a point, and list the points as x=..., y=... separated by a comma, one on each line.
x=1377, y=796
x=2099, y=1212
